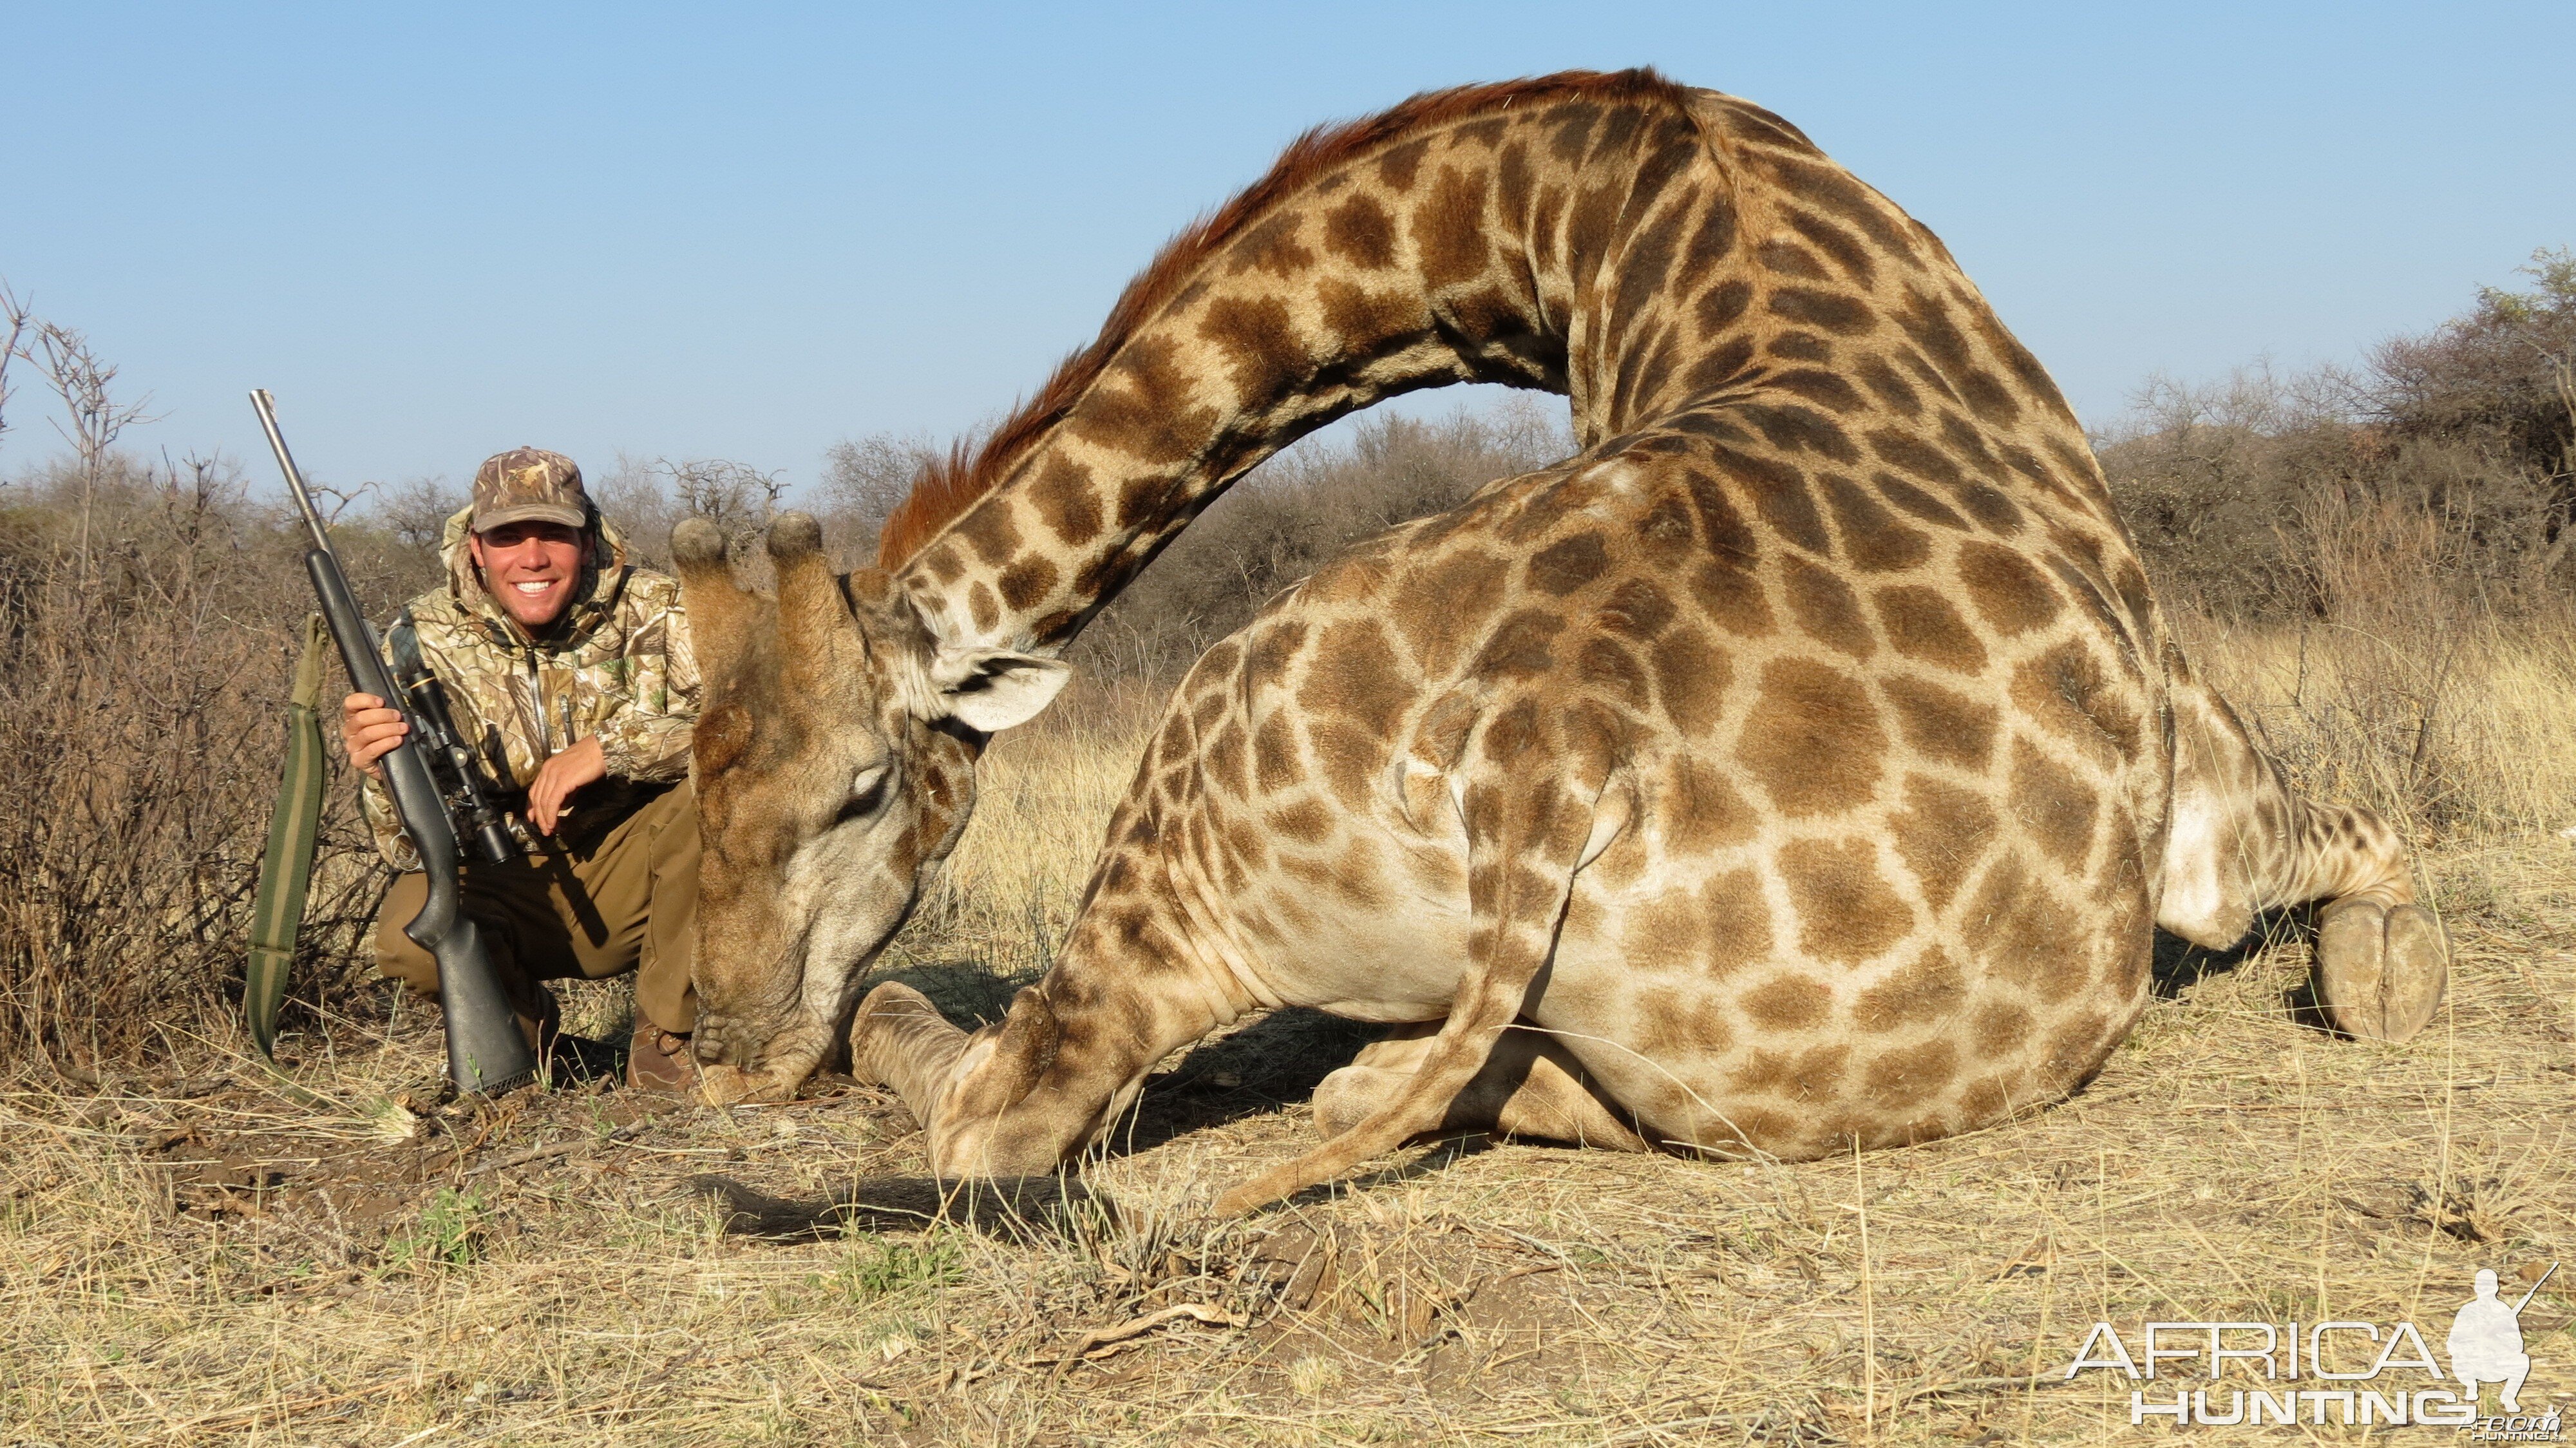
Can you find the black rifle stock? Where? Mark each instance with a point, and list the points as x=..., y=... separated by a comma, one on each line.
x=486, y=1054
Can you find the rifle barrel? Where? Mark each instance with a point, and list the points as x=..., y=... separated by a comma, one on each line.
x=266, y=407
x=2535, y=1289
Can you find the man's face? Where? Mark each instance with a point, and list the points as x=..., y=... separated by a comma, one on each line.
x=532, y=568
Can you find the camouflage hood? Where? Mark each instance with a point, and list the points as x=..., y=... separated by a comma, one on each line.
x=617, y=667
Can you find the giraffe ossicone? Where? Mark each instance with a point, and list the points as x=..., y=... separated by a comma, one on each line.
x=1802, y=764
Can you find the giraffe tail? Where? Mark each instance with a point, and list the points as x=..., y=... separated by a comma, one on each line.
x=1520, y=874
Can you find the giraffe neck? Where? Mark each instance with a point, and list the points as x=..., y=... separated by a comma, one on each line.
x=1617, y=239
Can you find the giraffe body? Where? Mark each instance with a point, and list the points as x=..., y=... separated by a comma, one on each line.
x=1804, y=763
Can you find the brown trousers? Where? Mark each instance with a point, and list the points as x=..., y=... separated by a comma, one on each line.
x=626, y=899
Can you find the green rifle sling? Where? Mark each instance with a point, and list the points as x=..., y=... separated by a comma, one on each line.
x=287, y=867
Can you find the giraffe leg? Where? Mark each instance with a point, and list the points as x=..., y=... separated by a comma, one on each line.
x=1531, y=1086
x=1021, y=1095
x=2382, y=960
x=2240, y=840
x=899, y=1040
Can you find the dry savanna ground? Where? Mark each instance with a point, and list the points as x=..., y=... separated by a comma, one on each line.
x=218, y=1257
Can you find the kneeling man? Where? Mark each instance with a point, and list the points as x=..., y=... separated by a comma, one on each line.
x=569, y=672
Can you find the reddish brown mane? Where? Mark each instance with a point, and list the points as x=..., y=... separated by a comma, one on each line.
x=948, y=488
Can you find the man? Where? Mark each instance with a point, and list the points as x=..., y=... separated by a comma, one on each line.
x=569, y=672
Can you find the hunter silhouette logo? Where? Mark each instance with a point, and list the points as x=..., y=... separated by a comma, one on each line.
x=2486, y=1341
x=2367, y=1372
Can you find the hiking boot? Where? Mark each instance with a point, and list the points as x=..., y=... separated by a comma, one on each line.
x=660, y=1060
x=578, y=1060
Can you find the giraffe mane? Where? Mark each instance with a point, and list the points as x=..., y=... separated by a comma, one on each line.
x=947, y=487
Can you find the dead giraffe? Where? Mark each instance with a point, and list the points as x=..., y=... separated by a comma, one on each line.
x=1802, y=764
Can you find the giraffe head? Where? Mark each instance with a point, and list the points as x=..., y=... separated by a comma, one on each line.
x=835, y=766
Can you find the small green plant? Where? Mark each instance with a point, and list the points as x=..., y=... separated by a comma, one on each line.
x=449, y=1236
x=884, y=1267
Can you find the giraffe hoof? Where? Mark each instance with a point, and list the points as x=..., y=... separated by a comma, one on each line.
x=2380, y=972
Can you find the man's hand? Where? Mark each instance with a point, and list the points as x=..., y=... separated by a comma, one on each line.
x=558, y=777
x=370, y=730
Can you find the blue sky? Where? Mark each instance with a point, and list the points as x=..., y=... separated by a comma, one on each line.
x=748, y=231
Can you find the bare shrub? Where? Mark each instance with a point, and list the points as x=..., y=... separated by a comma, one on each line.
x=2242, y=494
x=16, y=318
x=140, y=695
x=863, y=479
x=648, y=497
x=2209, y=478
x=416, y=512
x=2495, y=375
x=2376, y=565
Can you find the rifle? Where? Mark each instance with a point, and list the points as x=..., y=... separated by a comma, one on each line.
x=486, y=1054
x=468, y=790
x=2535, y=1289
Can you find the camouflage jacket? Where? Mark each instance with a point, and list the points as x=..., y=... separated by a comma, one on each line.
x=618, y=666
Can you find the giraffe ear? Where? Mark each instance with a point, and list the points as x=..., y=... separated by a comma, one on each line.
x=992, y=689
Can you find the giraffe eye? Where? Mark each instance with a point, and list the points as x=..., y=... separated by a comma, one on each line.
x=867, y=791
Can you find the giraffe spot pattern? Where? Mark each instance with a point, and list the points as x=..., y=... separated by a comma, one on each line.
x=1847, y=910
x=1265, y=346
x=1904, y=1077
x=1703, y=810
x=2033, y=938
x=1931, y=989
x=1568, y=564
x=1691, y=676
x=1872, y=538
x=1061, y=495
x=1027, y=581
x=1638, y=609
x=1813, y=1075
x=1812, y=739
x=1788, y=1003
x=1449, y=232
x=1802, y=347
x=1360, y=231
x=2009, y=591
x=1679, y=1023
x=1940, y=834
x=1922, y=625
x=1815, y=307
x=1827, y=609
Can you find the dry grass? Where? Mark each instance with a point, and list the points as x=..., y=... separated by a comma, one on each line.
x=236, y=1266
x=2458, y=726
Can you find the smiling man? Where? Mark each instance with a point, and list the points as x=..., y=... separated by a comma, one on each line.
x=569, y=672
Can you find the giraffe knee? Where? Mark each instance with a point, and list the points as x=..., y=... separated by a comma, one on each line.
x=1350, y=1095
x=1535, y=1088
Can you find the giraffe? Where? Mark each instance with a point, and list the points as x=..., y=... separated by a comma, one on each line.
x=1803, y=766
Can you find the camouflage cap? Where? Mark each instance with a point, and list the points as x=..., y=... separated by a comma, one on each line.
x=529, y=483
